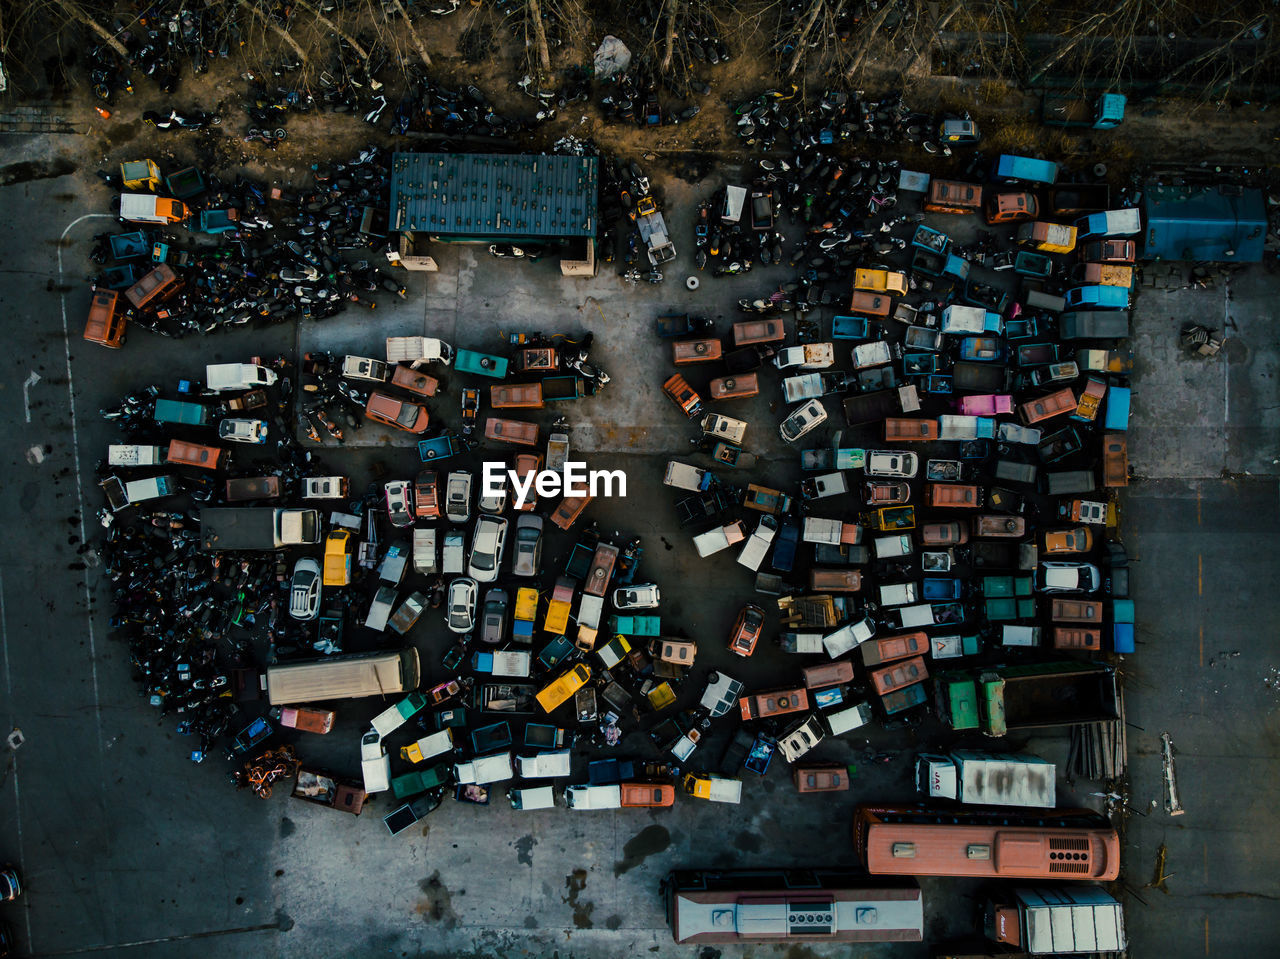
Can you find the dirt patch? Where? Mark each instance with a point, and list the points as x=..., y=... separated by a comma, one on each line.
x=437, y=903
x=575, y=882
x=29, y=170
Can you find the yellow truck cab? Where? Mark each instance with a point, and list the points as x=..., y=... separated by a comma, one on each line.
x=337, y=558
x=557, y=618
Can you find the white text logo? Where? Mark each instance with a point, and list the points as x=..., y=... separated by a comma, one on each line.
x=576, y=480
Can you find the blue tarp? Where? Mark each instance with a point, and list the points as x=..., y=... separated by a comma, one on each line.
x=1208, y=224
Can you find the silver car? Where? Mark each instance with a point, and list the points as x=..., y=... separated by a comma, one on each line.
x=461, y=615
x=457, y=497
x=486, y=548
x=526, y=558
x=399, y=497
x=304, y=589
x=805, y=418
x=892, y=463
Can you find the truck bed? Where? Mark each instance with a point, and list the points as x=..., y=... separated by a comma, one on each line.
x=1070, y=693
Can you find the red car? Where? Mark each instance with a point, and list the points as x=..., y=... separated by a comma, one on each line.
x=400, y=414
x=426, y=495
x=746, y=630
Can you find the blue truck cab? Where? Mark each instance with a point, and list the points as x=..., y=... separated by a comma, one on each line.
x=1098, y=298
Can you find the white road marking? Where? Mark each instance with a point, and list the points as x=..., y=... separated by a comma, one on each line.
x=75, y=459
x=32, y=380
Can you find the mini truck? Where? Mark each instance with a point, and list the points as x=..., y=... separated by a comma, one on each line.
x=988, y=779
x=812, y=356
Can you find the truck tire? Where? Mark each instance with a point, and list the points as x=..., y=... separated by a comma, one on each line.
x=712, y=678
x=730, y=383
x=692, y=283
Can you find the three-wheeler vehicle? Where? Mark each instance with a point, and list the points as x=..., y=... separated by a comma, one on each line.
x=481, y=364
x=439, y=447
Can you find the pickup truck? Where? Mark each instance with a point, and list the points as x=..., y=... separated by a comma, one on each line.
x=813, y=356
x=258, y=528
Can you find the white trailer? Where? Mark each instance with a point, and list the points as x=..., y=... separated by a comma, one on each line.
x=683, y=476
x=819, y=530
x=134, y=455
x=848, y=636
x=593, y=797
x=988, y=779
x=753, y=553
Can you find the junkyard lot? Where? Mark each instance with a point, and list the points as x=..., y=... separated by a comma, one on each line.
x=125, y=842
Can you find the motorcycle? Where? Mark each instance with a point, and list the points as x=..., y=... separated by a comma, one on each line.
x=198, y=120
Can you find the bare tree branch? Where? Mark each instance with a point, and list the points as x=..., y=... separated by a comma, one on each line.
x=413, y=33
x=77, y=13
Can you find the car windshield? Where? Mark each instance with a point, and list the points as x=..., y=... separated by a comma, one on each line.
x=752, y=619
x=408, y=414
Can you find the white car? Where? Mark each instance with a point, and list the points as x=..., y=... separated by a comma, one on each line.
x=461, y=615
x=644, y=596
x=304, y=589
x=399, y=496
x=720, y=695
x=897, y=463
x=243, y=431
x=486, y=548
x=805, y=418
x=1068, y=578
x=457, y=497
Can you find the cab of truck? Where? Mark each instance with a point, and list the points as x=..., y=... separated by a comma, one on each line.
x=105, y=326
x=953, y=196
x=880, y=281
x=1055, y=404
x=1011, y=206
x=683, y=395
x=337, y=558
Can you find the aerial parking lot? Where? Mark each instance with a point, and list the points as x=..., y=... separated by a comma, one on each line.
x=745, y=522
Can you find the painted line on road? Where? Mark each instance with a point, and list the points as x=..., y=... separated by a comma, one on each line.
x=1199, y=496
x=1199, y=574
x=75, y=460
x=1202, y=645
x=1206, y=935
x=84, y=950
x=13, y=757
x=31, y=381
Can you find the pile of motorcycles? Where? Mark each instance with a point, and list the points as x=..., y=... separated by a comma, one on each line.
x=256, y=255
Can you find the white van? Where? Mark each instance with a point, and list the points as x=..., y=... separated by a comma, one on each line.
x=909, y=617
x=801, y=738
x=416, y=350
x=237, y=376
x=325, y=487
x=848, y=636
x=539, y=797
x=424, y=550
x=847, y=720
x=724, y=428
x=375, y=764
x=486, y=769
x=593, y=797
x=380, y=609
x=547, y=765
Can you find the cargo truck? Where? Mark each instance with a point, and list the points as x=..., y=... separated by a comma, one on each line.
x=258, y=528
x=1109, y=223
x=146, y=208
x=1076, y=199
x=990, y=779
x=1061, y=920
x=416, y=350
x=1043, y=694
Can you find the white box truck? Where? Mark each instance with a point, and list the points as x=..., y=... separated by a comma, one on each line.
x=375, y=764
x=417, y=350
x=988, y=779
x=486, y=769
x=1062, y=920
x=722, y=537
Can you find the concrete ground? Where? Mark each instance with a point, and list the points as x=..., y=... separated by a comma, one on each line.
x=131, y=851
